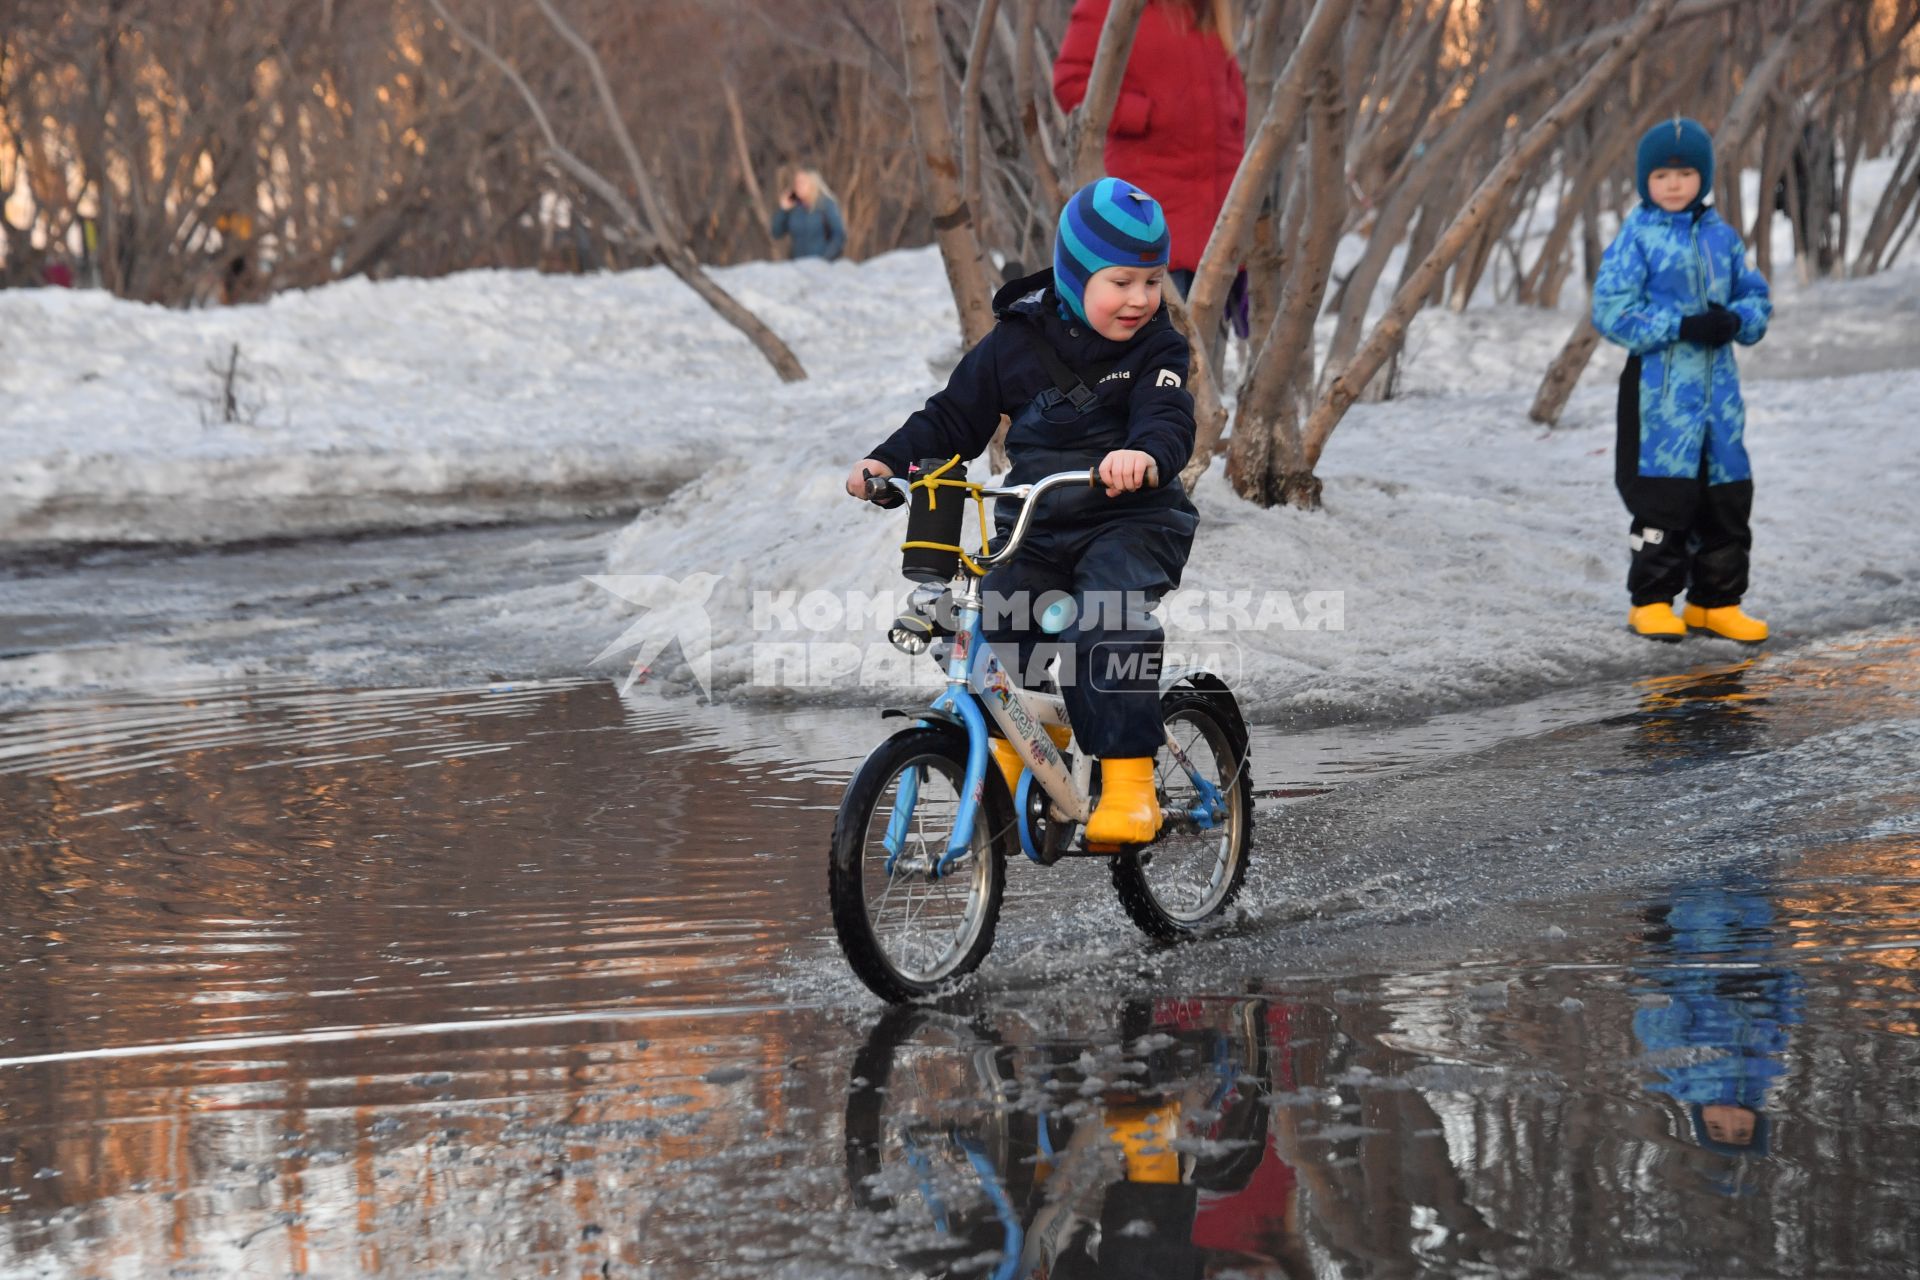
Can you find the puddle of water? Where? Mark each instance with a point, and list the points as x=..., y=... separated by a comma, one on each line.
x=386, y=609
x=257, y=863
x=533, y=980
x=1679, y=1064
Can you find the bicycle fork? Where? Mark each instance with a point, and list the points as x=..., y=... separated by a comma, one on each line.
x=953, y=705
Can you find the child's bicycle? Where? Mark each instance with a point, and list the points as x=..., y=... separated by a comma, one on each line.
x=925, y=828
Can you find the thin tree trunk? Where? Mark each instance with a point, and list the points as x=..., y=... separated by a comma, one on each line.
x=747, y=175
x=970, y=181
x=1738, y=123
x=1893, y=253
x=1227, y=244
x=1892, y=207
x=1023, y=95
x=1390, y=332
x=953, y=225
x=1233, y=229
x=1103, y=89
x=1262, y=55
x=1266, y=461
x=1564, y=373
x=1780, y=137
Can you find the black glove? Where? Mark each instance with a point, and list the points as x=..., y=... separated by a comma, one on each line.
x=1714, y=327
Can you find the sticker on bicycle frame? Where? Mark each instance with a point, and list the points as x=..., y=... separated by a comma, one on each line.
x=1039, y=747
x=960, y=643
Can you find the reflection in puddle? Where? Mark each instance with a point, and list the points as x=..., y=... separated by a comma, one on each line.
x=1715, y=1020
x=1157, y=1155
x=1692, y=1089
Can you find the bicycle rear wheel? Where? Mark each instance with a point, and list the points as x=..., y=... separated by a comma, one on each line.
x=1195, y=868
x=908, y=934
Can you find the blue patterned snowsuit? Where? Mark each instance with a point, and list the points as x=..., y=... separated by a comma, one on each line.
x=1682, y=466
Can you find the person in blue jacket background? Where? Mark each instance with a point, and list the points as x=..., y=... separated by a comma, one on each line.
x=1675, y=289
x=1091, y=370
x=811, y=216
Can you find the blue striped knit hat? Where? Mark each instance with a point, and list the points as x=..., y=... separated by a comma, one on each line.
x=1108, y=223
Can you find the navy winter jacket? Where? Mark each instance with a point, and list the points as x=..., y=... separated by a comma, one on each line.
x=817, y=232
x=1140, y=402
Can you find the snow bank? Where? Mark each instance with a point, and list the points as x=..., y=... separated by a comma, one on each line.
x=485, y=395
x=1465, y=553
x=511, y=395
x=1473, y=555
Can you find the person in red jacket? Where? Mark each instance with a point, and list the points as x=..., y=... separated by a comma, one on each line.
x=1180, y=126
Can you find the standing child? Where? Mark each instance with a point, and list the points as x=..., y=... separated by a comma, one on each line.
x=1674, y=289
x=1092, y=372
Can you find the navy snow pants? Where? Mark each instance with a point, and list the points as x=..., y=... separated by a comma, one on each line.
x=1110, y=655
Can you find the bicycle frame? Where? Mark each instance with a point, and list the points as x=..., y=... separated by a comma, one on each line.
x=976, y=678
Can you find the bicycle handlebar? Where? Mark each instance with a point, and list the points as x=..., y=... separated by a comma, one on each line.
x=881, y=488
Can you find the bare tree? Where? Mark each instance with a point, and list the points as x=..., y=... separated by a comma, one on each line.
x=1268, y=463
x=970, y=106
x=1233, y=229
x=737, y=121
x=1039, y=151
x=1899, y=204
x=1754, y=94
x=1390, y=331
x=653, y=223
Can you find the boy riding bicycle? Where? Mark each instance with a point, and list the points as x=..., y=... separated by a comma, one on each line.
x=1090, y=369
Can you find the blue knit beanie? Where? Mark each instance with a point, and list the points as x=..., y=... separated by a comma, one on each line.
x=1679, y=143
x=1108, y=223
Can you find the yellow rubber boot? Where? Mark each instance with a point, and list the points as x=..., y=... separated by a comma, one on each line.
x=1657, y=621
x=1146, y=1136
x=1727, y=622
x=1013, y=764
x=1129, y=812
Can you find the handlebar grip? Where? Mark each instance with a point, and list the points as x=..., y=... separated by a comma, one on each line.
x=1153, y=476
x=880, y=493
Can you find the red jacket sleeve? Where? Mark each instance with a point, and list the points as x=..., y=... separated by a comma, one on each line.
x=1074, y=67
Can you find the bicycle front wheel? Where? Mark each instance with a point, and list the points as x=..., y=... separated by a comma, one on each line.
x=907, y=933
